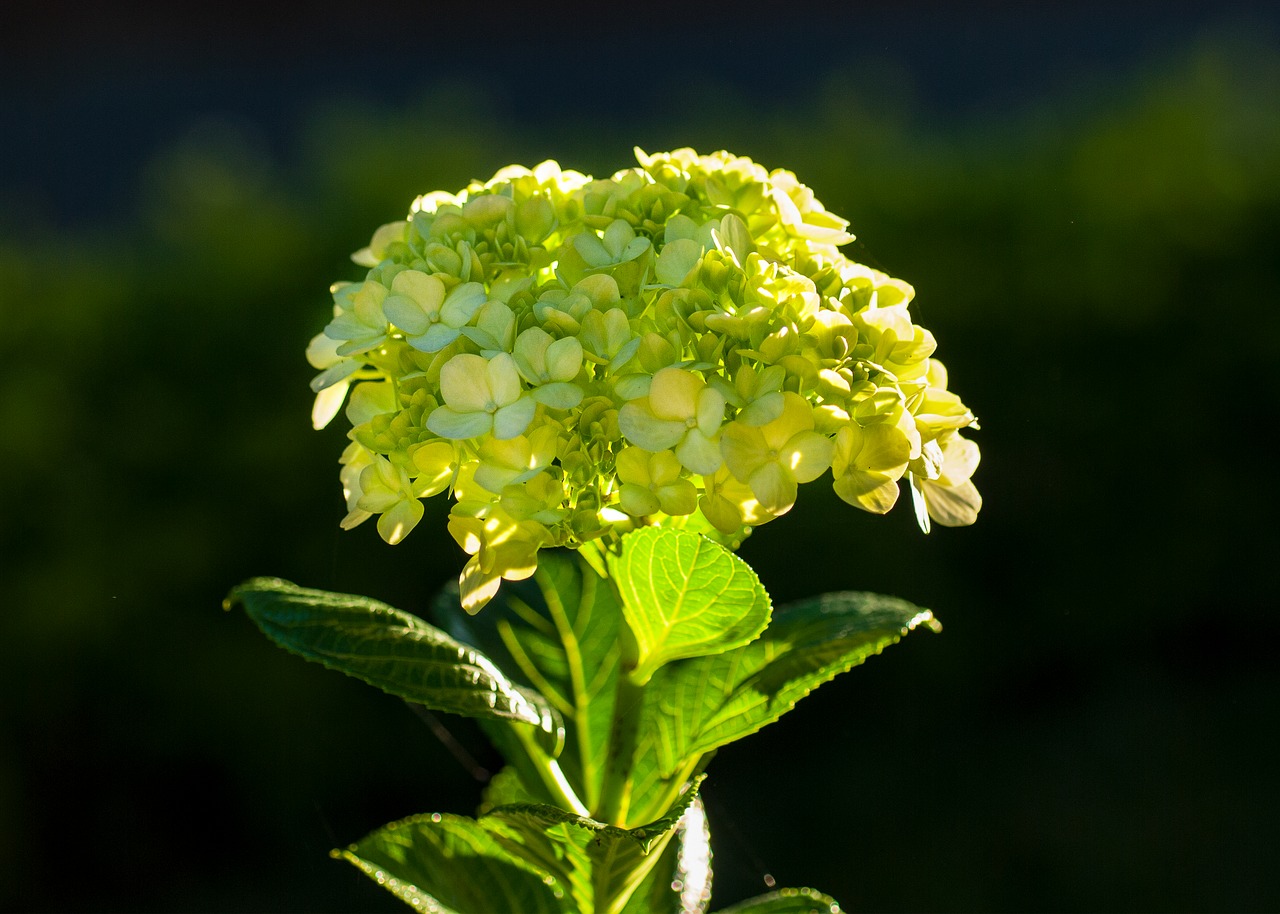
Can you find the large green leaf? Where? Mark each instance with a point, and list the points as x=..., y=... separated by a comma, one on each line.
x=696, y=705
x=454, y=865
x=395, y=651
x=787, y=901
x=685, y=596
x=558, y=633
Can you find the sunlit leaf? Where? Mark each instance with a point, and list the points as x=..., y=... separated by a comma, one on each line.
x=393, y=650
x=697, y=705
x=686, y=596
x=454, y=865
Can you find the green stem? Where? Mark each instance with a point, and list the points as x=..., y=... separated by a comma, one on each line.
x=615, y=791
x=580, y=713
x=549, y=771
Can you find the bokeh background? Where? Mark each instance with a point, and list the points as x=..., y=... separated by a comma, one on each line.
x=1087, y=199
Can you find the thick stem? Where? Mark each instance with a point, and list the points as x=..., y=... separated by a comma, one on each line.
x=615, y=792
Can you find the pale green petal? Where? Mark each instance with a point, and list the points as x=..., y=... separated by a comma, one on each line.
x=664, y=468
x=633, y=386
x=427, y=291
x=591, y=249
x=368, y=304
x=462, y=303
x=960, y=459
x=638, y=501
x=372, y=398
x=406, y=314
x=346, y=326
x=436, y=338
x=327, y=404
x=364, y=344
x=763, y=409
x=674, y=394
x=514, y=418
x=464, y=384
x=564, y=359
x=807, y=456
x=744, y=450
x=435, y=461
x=678, y=498
x=699, y=453
x=379, y=499
x=600, y=289
x=885, y=449
x=677, y=260
x=475, y=587
x=632, y=465
x=774, y=487
x=495, y=478
x=354, y=519
x=640, y=426
x=617, y=238
x=560, y=395
x=396, y=523
x=322, y=352
x=797, y=416
x=735, y=237
x=953, y=506
x=483, y=339
x=486, y=210
x=872, y=492
x=710, y=410
x=918, y=502
x=723, y=514
x=530, y=354
x=449, y=423
x=504, y=381
x=497, y=321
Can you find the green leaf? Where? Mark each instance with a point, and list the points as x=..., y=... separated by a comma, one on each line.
x=787, y=901
x=542, y=816
x=695, y=706
x=685, y=596
x=393, y=650
x=557, y=633
x=455, y=865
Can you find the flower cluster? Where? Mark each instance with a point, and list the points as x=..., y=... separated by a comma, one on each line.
x=680, y=344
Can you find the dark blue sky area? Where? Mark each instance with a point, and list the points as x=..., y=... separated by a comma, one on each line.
x=90, y=92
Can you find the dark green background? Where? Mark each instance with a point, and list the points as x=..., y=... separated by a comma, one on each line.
x=1087, y=200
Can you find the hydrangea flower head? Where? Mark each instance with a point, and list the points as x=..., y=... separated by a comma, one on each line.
x=681, y=344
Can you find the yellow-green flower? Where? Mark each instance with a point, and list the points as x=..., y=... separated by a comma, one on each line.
x=359, y=323
x=680, y=343
x=430, y=316
x=482, y=396
x=951, y=498
x=681, y=412
x=867, y=464
x=775, y=457
x=651, y=483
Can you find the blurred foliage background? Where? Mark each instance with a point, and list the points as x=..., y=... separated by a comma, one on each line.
x=1087, y=200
